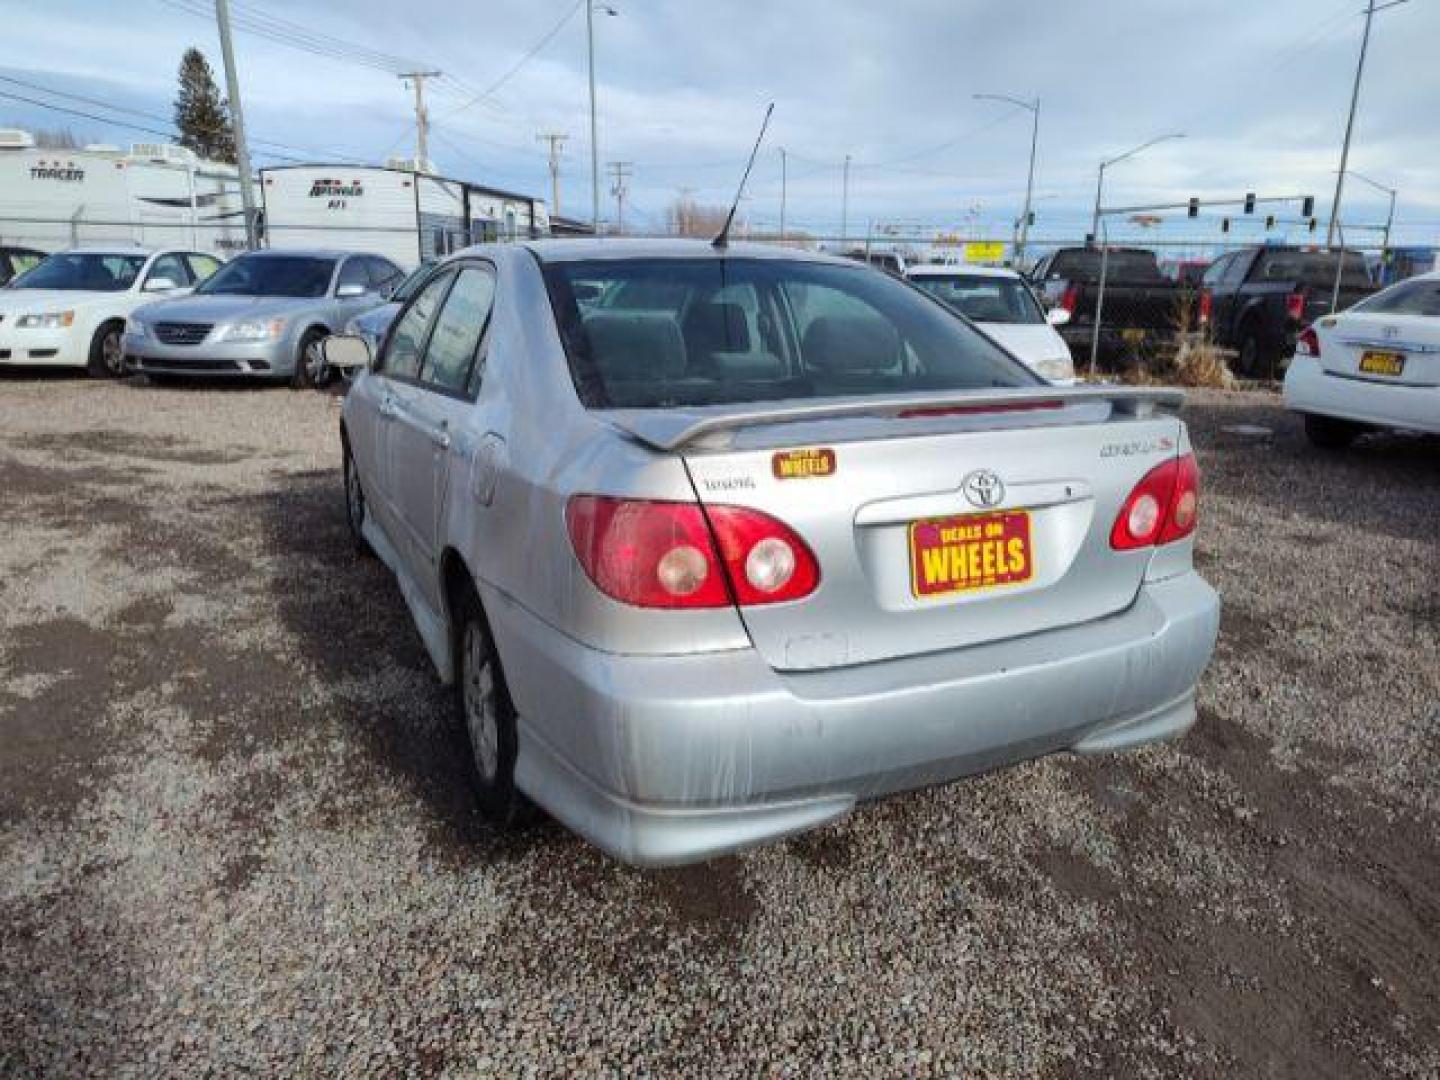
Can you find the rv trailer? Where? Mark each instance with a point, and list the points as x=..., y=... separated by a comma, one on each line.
x=154, y=195
x=407, y=215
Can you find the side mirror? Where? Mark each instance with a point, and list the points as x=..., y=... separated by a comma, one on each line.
x=160, y=284
x=350, y=290
x=346, y=352
x=1057, y=316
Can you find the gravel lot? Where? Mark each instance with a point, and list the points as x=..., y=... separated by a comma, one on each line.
x=234, y=829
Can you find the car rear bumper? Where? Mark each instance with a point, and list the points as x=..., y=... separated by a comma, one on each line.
x=669, y=759
x=1310, y=389
x=146, y=355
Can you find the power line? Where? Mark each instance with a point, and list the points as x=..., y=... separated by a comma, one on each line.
x=525, y=58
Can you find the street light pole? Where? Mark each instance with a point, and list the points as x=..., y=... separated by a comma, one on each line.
x=844, y=202
x=594, y=141
x=782, y=194
x=1389, y=217
x=1033, y=107
x=1100, y=180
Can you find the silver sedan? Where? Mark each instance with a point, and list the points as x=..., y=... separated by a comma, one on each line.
x=717, y=542
x=262, y=314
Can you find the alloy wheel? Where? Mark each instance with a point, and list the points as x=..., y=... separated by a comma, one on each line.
x=478, y=690
x=112, y=353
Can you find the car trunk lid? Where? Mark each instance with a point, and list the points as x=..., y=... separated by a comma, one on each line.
x=1380, y=347
x=937, y=524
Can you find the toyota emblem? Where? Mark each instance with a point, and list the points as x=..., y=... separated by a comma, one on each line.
x=983, y=488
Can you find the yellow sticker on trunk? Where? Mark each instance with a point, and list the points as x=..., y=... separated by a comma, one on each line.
x=803, y=464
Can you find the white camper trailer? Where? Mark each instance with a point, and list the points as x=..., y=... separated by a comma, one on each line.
x=406, y=215
x=155, y=195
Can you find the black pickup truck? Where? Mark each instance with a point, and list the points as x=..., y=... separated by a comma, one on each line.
x=1257, y=300
x=1141, y=303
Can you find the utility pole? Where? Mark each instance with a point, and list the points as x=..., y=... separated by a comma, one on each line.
x=237, y=120
x=782, y=194
x=422, y=118
x=844, y=202
x=556, y=139
x=621, y=172
x=594, y=138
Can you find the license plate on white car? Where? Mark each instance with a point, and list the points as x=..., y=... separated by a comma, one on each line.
x=1382, y=363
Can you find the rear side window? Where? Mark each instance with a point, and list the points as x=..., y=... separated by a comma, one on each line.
x=657, y=333
x=1421, y=297
x=407, y=341
x=1311, y=267
x=202, y=266
x=461, y=324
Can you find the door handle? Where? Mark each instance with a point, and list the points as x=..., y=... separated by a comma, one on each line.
x=440, y=436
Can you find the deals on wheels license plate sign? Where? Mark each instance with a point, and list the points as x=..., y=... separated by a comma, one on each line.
x=970, y=552
x=1382, y=363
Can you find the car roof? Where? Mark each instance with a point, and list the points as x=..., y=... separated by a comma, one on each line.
x=954, y=269
x=308, y=253
x=587, y=248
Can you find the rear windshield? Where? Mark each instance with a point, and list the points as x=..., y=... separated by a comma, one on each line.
x=271, y=275
x=1083, y=265
x=657, y=333
x=983, y=298
x=1419, y=297
x=1310, y=267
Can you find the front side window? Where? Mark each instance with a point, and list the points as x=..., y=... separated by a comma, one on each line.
x=407, y=341
x=354, y=273
x=458, y=330
x=702, y=331
x=83, y=272
x=983, y=298
x=1415, y=297
x=303, y=276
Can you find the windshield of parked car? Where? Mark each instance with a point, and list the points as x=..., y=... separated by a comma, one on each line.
x=271, y=275
x=1310, y=268
x=1420, y=296
x=984, y=298
x=84, y=272
x=657, y=333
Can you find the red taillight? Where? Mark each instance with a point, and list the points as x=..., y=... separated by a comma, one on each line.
x=1164, y=506
x=1070, y=298
x=1308, y=343
x=664, y=554
x=1295, y=306
x=1207, y=306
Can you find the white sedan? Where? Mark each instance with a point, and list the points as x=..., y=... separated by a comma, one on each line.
x=1000, y=303
x=70, y=309
x=1376, y=365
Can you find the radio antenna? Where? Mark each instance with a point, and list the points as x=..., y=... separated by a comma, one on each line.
x=723, y=239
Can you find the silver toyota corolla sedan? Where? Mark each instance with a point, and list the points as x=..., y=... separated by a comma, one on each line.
x=263, y=313
x=716, y=543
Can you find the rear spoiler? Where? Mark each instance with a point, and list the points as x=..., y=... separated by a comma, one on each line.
x=670, y=429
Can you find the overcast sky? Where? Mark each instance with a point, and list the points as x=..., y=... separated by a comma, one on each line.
x=1259, y=89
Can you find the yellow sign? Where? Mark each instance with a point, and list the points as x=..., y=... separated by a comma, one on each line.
x=984, y=251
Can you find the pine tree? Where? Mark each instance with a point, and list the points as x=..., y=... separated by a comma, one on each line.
x=201, y=114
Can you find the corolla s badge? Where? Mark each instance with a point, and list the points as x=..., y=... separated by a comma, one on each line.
x=983, y=488
x=1391, y=333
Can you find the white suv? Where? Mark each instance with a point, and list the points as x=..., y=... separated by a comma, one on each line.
x=70, y=309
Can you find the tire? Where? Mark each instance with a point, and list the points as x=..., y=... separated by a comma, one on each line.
x=1247, y=363
x=107, y=352
x=356, y=508
x=310, y=368
x=485, y=713
x=1329, y=433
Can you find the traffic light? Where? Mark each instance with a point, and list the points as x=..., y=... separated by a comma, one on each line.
x=1269, y=221
x=1225, y=224
x=1194, y=208
x=1249, y=202
x=1312, y=224
x=1030, y=218
x=1307, y=208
